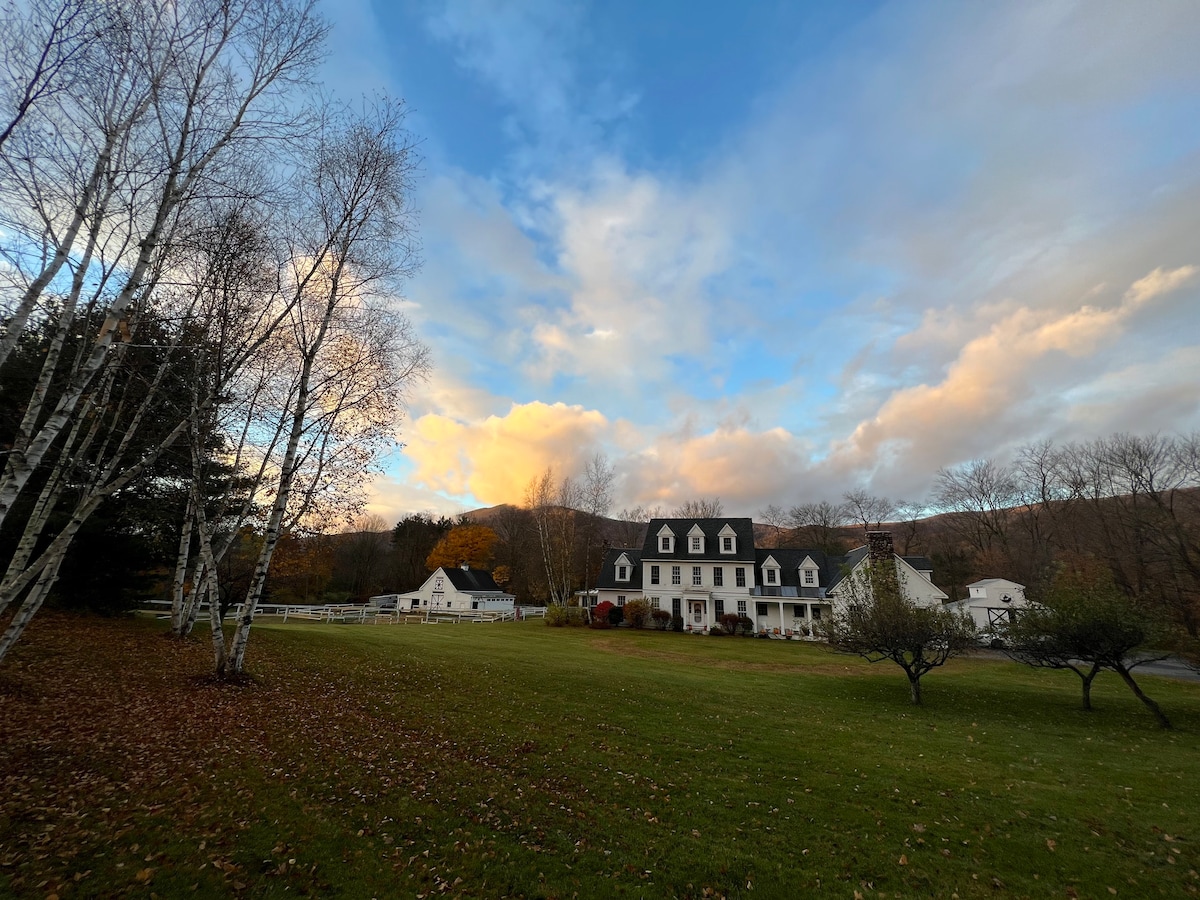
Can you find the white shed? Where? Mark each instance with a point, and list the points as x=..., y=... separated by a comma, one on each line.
x=990, y=601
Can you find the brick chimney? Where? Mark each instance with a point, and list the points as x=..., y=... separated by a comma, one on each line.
x=879, y=546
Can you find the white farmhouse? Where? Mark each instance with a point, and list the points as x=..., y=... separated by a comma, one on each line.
x=701, y=569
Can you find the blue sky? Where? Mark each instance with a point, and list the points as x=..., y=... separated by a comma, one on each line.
x=776, y=251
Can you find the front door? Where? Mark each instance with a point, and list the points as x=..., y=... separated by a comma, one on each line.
x=696, y=613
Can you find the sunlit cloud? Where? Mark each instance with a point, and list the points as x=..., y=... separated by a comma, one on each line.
x=495, y=458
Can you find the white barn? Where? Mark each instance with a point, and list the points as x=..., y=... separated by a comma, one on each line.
x=457, y=591
x=990, y=601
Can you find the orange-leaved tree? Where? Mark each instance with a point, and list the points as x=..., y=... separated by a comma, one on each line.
x=470, y=544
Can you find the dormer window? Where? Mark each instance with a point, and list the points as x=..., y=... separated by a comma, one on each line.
x=622, y=567
x=810, y=577
x=727, y=540
x=770, y=571
x=696, y=540
x=696, y=544
x=666, y=540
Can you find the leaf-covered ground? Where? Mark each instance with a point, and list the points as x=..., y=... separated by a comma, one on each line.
x=518, y=760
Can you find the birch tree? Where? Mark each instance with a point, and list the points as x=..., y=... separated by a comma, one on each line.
x=553, y=505
x=353, y=356
x=98, y=181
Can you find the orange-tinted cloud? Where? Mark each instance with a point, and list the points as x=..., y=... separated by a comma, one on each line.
x=493, y=459
x=997, y=370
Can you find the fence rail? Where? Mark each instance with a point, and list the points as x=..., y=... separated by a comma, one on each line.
x=366, y=614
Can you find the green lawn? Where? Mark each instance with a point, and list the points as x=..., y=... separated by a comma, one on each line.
x=520, y=760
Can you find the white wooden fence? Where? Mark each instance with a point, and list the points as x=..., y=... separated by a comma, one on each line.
x=368, y=614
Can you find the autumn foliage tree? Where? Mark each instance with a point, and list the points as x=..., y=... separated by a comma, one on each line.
x=469, y=544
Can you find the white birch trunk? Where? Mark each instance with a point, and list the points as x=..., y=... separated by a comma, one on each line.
x=28, y=609
x=178, y=608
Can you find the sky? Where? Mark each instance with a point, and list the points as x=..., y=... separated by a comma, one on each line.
x=776, y=251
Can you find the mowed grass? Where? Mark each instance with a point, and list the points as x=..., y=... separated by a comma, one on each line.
x=520, y=760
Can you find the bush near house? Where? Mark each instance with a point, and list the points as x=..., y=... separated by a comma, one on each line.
x=676, y=623
x=637, y=613
x=601, y=615
x=558, y=616
x=730, y=622
x=616, y=615
x=661, y=618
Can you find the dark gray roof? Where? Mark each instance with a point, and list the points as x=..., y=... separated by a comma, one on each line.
x=842, y=564
x=471, y=580
x=607, y=579
x=743, y=530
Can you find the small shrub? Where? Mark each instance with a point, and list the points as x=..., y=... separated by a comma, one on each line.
x=717, y=631
x=661, y=618
x=746, y=625
x=616, y=615
x=637, y=613
x=677, y=623
x=601, y=615
x=556, y=616
x=576, y=617
x=729, y=623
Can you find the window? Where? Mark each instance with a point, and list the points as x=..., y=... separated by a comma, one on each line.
x=739, y=576
x=622, y=573
x=770, y=573
x=676, y=609
x=798, y=610
x=726, y=545
x=437, y=583
x=695, y=543
x=741, y=607
x=655, y=602
x=664, y=544
x=654, y=574
x=720, y=608
x=810, y=577
x=760, y=608
x=696, y=582
x=620, y=599
x=718, y=576
x=675, y=573
x=816, y=611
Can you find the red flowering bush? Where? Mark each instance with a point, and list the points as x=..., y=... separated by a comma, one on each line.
x=600, y=614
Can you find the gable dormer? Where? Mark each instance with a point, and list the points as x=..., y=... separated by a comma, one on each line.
x=623, y=567
x=727, y=539
x=809, y=573
x=770, y=571
x=666, y=540
x=695, y=539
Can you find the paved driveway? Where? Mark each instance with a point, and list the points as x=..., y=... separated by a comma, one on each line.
x=1171, y=667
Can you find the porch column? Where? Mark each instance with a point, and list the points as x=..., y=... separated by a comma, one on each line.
x=782, y=620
